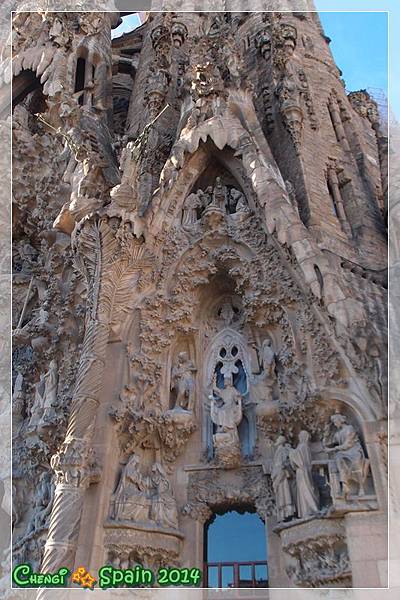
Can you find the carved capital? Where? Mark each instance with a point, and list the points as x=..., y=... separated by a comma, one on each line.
x=317, y=554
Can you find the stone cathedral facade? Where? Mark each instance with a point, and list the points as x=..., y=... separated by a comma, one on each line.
x=200, y=264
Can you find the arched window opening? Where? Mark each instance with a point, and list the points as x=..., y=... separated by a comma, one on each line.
x=235, y=550
x=244, y=437
x=320, y=279
x=80, y=78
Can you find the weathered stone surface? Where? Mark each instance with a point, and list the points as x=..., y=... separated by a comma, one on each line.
x=199, y=294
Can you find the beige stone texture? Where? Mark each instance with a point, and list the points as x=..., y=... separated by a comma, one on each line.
x=199, y=319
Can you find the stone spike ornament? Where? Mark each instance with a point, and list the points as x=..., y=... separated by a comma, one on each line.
x=199, y=295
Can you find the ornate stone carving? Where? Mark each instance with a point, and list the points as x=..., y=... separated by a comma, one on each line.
x=288, y=93
x=365, y=106
x=263, y=42
x=74, y=464
x=244, y=486
x=207, y=272
x=285, y=42
x=318, y=551
x=144, y=499
x=179, y=33
x=41, y=510
x=167, y=432
x=307, y=98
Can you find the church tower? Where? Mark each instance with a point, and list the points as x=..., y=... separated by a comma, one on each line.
x=200, y=324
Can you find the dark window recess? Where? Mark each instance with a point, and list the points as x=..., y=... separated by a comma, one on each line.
x=80, y=77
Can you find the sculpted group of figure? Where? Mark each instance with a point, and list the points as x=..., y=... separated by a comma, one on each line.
x=295, y=491
x=145, y=499
x=218, y=197
x=291, y=470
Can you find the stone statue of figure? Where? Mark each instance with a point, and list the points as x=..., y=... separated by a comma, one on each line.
x=263, y=383
x=132, y=497
x=220, y=194
x=237, y=201
x=163, y=509
x=183, y=382
x=38, y=402
x=206, y=196
x=281, y=475
x=348, y=454
x=192, y=203
x=18, y=401
x=292, y=195
x=300, y=459
x=226, y=313
x=267, y=356
x=50, y=391
x=228, y=415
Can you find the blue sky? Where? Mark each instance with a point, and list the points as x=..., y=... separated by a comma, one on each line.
x=236, y=538
x=128, y=23
x=359, y=46
x=359, y=42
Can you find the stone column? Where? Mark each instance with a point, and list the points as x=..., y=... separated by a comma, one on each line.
x=74, y=463
x=337, y=196
x=276, y=562
x=337, y=124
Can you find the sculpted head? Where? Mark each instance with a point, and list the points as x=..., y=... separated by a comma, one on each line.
x=183, y=357
x=280, y=441
x=304, y=436
x=133, y=460
x=338, y=419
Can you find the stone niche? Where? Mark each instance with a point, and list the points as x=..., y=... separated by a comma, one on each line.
x=316, y=553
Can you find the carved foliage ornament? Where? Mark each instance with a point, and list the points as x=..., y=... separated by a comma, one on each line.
x=205, y=494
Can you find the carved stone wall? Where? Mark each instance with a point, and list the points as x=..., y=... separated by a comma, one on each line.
x=199, y=295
